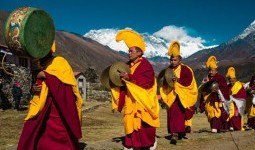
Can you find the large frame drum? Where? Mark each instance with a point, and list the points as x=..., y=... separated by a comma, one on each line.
x=29, y=32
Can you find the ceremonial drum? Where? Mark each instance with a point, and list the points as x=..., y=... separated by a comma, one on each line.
x=29, y=32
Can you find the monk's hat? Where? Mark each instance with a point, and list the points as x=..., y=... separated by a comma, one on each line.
x=231, y=73
x=211, y=63
x=115, y=70
x=53, y=47
x=174, y=49
x=131, y=38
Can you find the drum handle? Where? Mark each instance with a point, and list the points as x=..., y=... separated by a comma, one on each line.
x=4, y=68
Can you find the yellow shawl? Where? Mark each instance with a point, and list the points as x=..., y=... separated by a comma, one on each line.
x=235, y=89
x=251, y=109
x=212, y=109
x=140, y=105
x=61, y=69
x=187, y=94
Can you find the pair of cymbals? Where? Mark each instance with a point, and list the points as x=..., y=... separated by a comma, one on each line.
x=165, y=78
x=110, y=76
x=210, y=86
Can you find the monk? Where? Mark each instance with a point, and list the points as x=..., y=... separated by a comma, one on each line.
x=181, y=98
x=54, y=117
x=138, y=97
x=214, y=102
x=237, y=97
x=250, y=103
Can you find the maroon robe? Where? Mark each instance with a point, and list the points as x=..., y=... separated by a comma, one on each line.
x=144, y=77
x=235, y=121
x=57, y=126
x=250, y=121
x=240, y=94
x=218, y=123
x=177, y=114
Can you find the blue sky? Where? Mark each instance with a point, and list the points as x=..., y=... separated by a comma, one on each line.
x=214, y=21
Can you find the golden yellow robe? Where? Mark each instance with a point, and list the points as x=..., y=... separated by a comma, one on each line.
x=187, y=94
x=61, y=69
x=234, y=90
x=140, y=105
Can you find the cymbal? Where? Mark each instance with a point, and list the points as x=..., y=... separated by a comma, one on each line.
x=165, y=78
x=115, y=70
x=161, y=78
x=104, y=78
x=209, y=86
x=169, y=75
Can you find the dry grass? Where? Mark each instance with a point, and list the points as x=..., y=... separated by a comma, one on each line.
x=103, y=129
x=11, y=123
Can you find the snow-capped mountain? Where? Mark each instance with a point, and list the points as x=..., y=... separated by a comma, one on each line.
x=241, y=49
x=156, y=44
x=247, y=31
x=238, y=53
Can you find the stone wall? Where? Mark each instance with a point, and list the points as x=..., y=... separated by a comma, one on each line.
x=15, y=73
x=95, y=91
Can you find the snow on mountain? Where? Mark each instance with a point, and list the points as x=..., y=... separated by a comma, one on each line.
x=247, y=31
x=156, y=45
x=107, y=37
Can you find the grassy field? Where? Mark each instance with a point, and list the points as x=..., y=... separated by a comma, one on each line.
x=103, y=130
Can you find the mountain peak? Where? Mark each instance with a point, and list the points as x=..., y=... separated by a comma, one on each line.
x=247, y=31
x=156, y=44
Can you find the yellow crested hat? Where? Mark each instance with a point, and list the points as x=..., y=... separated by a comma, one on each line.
x=211, y=63
x=131, y=38
x=231, y=73
x=174, y=49
x=53, y=47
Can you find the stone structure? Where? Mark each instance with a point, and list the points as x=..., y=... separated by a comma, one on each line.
x=81, y=81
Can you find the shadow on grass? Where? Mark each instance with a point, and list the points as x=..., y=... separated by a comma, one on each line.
x=203, y=131
x=23, y=108
x=118, y=139
x=82, y=145
x=168, y=137
x=122, y=139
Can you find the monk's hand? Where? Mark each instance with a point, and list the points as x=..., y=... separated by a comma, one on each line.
x=175, y=79
x=124, y=75
x=37, y=87
x=41, y=75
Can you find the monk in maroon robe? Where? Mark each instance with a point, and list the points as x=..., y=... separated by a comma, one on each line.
x=236, y=122
x=143, y=76
x=182, y=97
x=218, y=122
x=57, y=125
x=138, y=97
x=250, y=103
x=177, y=114
x=212, y=102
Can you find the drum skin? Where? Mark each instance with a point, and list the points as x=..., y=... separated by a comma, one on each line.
x=29, y=32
